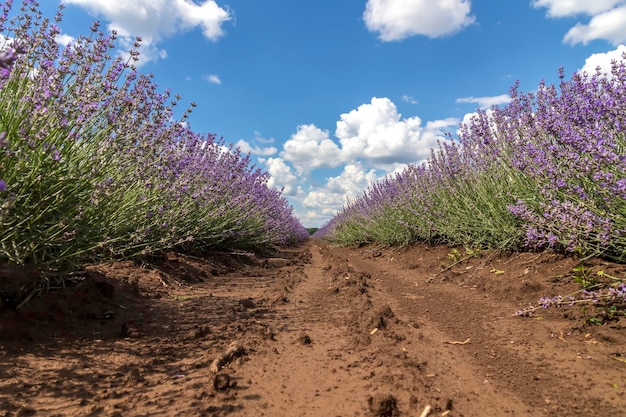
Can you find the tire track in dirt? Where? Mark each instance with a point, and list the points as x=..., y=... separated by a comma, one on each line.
x=509, y=365
x=310, y=370
x=362, y=360
x=409, y=357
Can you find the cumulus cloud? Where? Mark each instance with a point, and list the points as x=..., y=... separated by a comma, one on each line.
x=374, y=134
x=603, y=61
x=608, y=25
x=377, y=133
x=349, y=184
x=313, y=218
x=370, y=141
x=352, y=181
x=281, y=176
x=155, y=20
x=485, y=102
x=311, y=148
x=606, y=19
x=326, y=203
x=563, y=8
x=399, y=19
x=246, y=147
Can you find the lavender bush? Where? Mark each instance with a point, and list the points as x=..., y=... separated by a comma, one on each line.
x=547, y=171
x=573, y=146
x=94, y=164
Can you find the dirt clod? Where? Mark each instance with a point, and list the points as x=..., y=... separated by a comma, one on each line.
x=135, y=376
x=304, y=338
x=383, y=406
x=221, y=382
x=201, y=332
x=235, y=350
x=382, y=317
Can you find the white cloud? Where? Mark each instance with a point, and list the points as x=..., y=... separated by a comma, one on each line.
x=399, y=19
x=310, y=148
x=563, y=8
x=486, y=102
x=377, y=134
x=281, y=176
x=609, y=25
x=603, y=60
x=408, y=99
x=352, y=181
x=155, y=20
x=63, y=39
x=313, y=218
x=259, y=138
x=371, y=141
x=439, y=127
x=324, y=202
x=213, y=79
x=374, y=134
x=607, y=19
x=349, y=184
x=245, y=147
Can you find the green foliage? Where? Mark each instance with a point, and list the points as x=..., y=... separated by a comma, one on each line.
x=582, y=275
x=93, y=164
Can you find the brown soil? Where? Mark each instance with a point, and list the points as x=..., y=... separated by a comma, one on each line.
x=316, y=331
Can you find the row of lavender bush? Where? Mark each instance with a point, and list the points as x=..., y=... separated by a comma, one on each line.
x=546, y=171
x=94, y=164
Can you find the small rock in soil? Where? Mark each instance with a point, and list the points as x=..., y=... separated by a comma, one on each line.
x=201, y=332
x=221, y=382
x=135, y=377
x=246, y=304
x=304, y=338
x=383, y=406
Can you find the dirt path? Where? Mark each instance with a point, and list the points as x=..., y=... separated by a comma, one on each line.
x=316, y=331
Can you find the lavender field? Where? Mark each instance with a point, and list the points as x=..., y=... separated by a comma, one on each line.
x=147, y=268
x=547, y=171
x=95, y=165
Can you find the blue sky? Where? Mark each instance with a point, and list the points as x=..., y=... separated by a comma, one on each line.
x=330, y=95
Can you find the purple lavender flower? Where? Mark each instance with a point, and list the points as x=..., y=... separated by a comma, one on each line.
x=133, y=178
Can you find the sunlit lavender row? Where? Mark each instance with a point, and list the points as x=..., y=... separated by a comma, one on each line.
x=546, y=171
x=94, y=164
